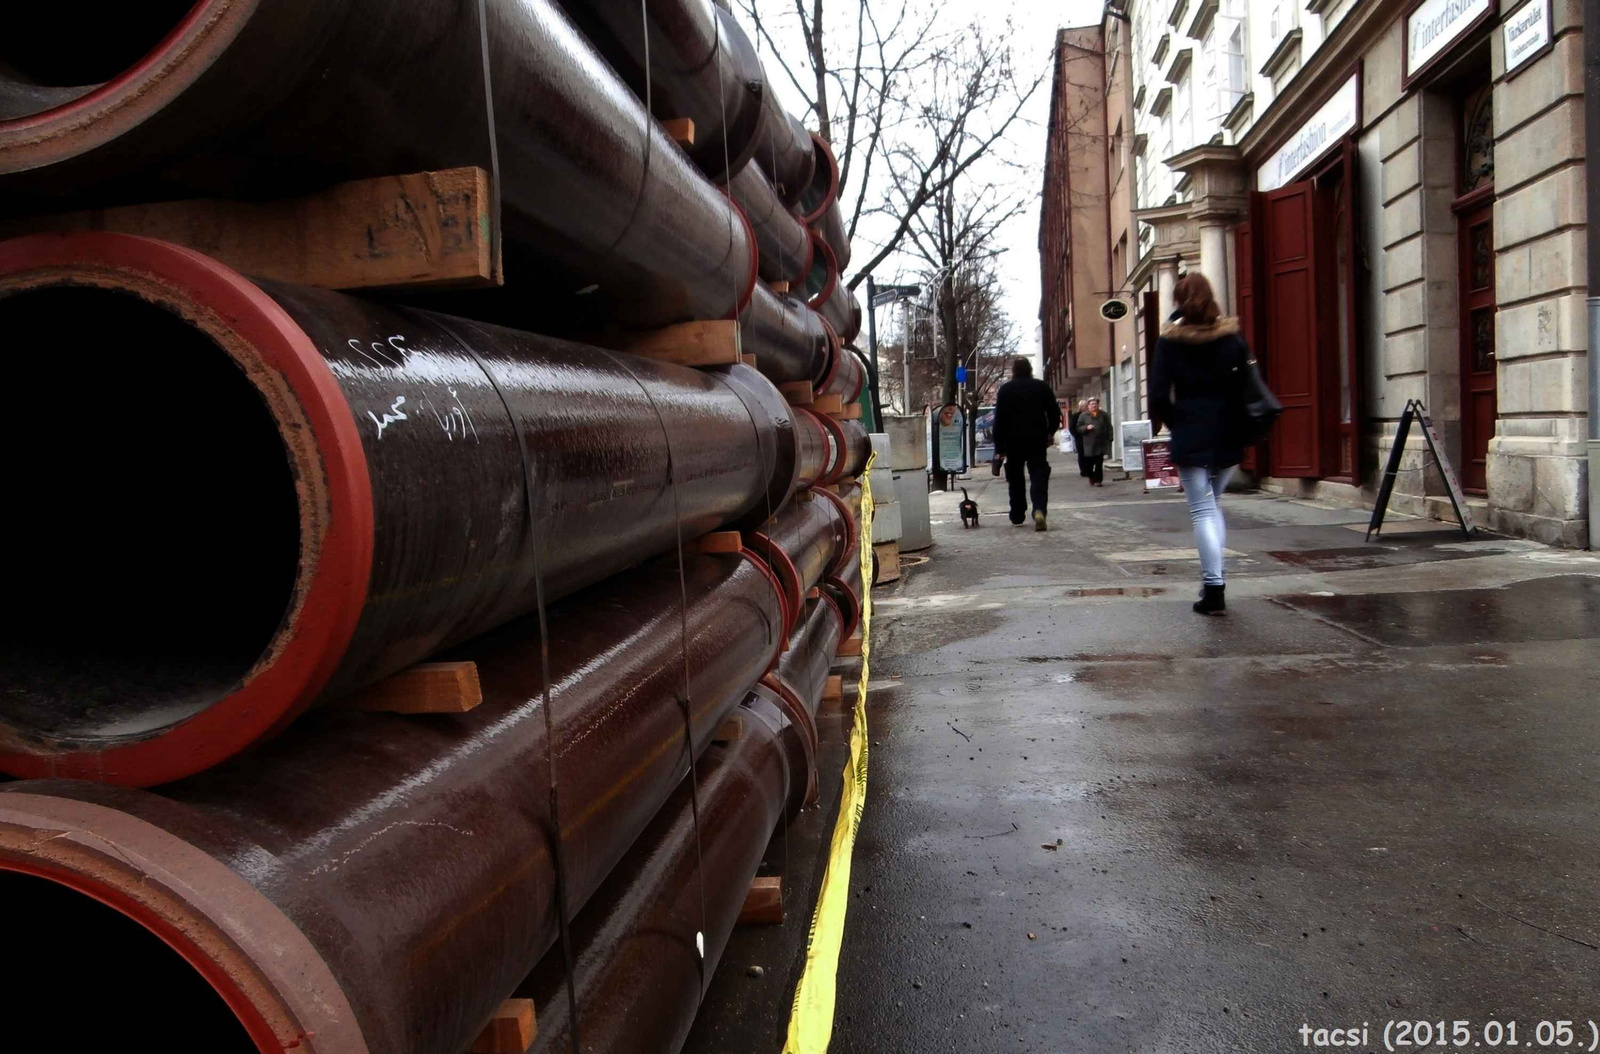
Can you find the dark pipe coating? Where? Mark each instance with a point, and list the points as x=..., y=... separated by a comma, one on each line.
x=831, y=226
x=784, y=151
x=785, y=244
x=701, y=66
x=404, y=531
x=858, y=449
x=806, y=541
x=789, y=340
x=383, y=880
x=605, y=220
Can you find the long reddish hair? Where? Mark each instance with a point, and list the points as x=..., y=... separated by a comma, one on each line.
x=1196, y=302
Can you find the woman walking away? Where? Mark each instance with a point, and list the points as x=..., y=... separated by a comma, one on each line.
x=1196, y=388
x=1094, y=441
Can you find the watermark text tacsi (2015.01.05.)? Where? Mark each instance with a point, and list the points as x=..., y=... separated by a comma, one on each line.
x=1404, y=1035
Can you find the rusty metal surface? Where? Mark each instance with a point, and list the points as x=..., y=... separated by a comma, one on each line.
x=627, y=455
x=789, y=340
x=784, y=243
x=605, y=220
x=413, y=851
x=639, y=974
x=701, y=66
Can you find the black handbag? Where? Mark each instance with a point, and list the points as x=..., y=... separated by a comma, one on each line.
x=1259, y=408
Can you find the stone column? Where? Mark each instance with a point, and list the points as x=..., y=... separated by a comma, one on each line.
x=1214, y=258
x=1166, y=280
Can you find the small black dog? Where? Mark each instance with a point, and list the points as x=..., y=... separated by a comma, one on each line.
x=969, y=510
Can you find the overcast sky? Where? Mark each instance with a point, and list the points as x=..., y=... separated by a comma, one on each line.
x=1035, y=22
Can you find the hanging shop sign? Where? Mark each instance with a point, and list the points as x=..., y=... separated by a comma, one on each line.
x=1528, y=33
x=1434, y=26
x=1114, y=310
x=1334, y=119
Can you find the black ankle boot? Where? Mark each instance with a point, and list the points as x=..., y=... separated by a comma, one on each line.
x=1211, y=601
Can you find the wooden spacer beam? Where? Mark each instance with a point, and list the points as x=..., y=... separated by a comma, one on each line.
x=814, y=593
x=799, y=393
x=763, y=904
x=426, y=230
x=720, y=542
x=512, y=1030
x=851, y=412
x=426, y=688
x=780, y=287
x=851, y=645
x=828, y=404
x=732, y=729
x=748, y=360
x=833, y=688
x=888, y=554
x=680, y=130
x=689, y=343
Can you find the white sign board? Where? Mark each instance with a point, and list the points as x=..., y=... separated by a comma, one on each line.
x=1134, y=433
x=1526, y=32
x=1436, y=24
x=1338, y=116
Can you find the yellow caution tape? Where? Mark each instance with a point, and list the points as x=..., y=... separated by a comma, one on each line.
x=811, y=1020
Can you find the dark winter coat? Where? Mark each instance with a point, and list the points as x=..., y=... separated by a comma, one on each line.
x=1026, y=417
x=1098, y=441
x=1196, y=389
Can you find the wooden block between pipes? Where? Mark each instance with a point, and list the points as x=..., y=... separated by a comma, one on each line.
x=814, y=594
x=851, y=645
x=720, y=542
x=833, y=688
x=763, y=905
x=828, y=404
x=426, y=688
x=850, y=413
x=426, y=230
x=689, y=343
x=680, y=130
x=780, y=287
x=888, y=554
x=512, y=1030
x=799, y=393
x=748, y=360
x=732, y=729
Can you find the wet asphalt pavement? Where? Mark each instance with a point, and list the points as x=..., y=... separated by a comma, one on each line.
x=1099, y=822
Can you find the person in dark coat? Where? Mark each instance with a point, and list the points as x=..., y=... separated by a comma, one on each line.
x=1094, y=441
x=1026, y=419
x=1196, y=390
x=1077, y=440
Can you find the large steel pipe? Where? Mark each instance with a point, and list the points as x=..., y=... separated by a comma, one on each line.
x=806, y=541
x=784, y=151
x=784, y=243
x=311, y=491
x=858, y=449
x=846, y=376
x=639, y=971
x=845, y=588
x=605, y=219
x=789, y=340
x=820, y=451
x=691, y=60
x=831, y=226
x=804, y=667
x=376, y=882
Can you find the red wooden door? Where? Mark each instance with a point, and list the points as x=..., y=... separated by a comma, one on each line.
x=1288, y=348
x=1478, y=388
x=1244, y=256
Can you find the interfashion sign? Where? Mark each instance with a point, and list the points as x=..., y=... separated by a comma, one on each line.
x=1337, y=117
x=1434, y=25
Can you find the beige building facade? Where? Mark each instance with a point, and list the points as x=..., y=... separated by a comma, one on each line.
x=1392, y=196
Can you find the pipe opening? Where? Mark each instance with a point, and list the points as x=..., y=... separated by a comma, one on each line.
x=83, y=954
x=154, y=519
x=52, y=53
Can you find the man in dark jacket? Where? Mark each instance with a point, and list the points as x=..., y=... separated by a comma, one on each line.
x=1026, y=419
x=1095, y=441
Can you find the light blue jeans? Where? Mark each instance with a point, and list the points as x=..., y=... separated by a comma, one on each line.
x=1204, y=487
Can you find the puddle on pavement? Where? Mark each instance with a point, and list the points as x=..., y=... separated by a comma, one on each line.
x=1562, y=608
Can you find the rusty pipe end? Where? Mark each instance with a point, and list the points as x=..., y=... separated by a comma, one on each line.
x=179, y=608
x=65, y=93
x=823, y=190
x=176, y=934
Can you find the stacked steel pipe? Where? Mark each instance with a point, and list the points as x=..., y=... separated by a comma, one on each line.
x=284, y=495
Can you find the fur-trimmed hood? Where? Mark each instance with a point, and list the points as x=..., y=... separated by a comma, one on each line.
x=1186, y=333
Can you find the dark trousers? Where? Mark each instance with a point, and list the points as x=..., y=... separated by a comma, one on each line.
x=1096, y=468
x=1083, y=465
x=1037, y=465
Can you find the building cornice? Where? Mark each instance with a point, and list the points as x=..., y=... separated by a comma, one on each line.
x=1182, y=59
x=1287, y=51
x=1327, y=68
x=1240, y=115
x=1204, y=15
x=1176, y=16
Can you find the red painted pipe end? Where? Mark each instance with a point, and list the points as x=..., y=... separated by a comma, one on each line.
x=90, y=876
x=824, y=188
x=203, y=534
